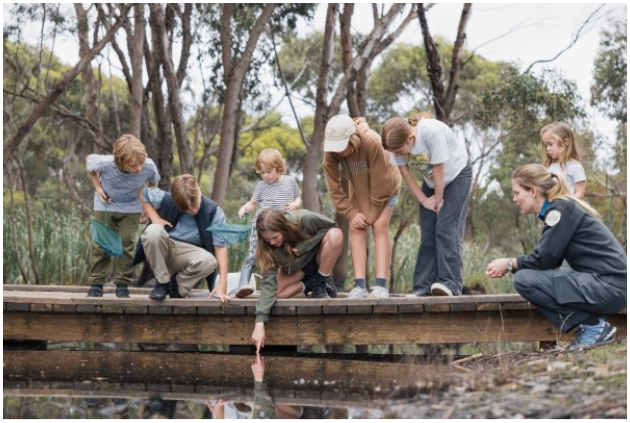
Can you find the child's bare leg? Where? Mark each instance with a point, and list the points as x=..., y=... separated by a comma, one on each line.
x=330, y=250
x=382, y=242
x=358, y=251
x=289, y=285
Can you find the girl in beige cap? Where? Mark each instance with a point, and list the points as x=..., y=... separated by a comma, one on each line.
x=373, y=189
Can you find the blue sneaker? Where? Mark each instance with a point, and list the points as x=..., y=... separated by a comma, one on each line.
x=590, y=336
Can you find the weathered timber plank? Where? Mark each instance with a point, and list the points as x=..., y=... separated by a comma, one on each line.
x=160, y=309
x=177, y=309
x=386, y=308
x=88, y=308
x=437, y=308
x=41, y=307
x=309, y=310
x=335, y=309
x=460, y=327
x=464, y=307
x=18, y=306
x=64, y=308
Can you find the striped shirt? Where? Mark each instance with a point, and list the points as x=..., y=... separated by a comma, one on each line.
x=122, y=187
x=276, y=195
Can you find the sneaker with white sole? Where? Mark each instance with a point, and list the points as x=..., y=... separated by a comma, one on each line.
x=591, y=335
x=417, y=294
x=439, y=290
x=379, y=292
x=358, y=292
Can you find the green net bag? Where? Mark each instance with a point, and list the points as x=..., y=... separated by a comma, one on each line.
x=106, y=238
x=231, y=232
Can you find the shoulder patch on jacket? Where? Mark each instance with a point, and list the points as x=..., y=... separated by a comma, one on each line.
x=553, y=217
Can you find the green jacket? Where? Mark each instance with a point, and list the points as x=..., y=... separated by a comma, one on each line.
x=314, y=226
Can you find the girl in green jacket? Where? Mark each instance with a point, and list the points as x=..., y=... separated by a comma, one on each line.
x=296, y=253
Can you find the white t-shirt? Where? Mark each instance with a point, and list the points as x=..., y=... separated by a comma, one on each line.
x=573, y=174
x=435, y=143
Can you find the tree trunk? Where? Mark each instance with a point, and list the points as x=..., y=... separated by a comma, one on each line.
x=443, y=100
x=310, y=193
x=59, y=88
x=164, y=139
x=174, y=101
x=136, y=55
x=92, y=100
x=234, y=74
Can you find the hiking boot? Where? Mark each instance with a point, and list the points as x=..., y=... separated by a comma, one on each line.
x=317, y=286
x=95, y=291
x=122, y=291
x=331, y=288
x=173, y=288
x=159, y=292
x=319, y=292
x=439, y=290
x=358, y=292
x=591, y=335
x=379, y=292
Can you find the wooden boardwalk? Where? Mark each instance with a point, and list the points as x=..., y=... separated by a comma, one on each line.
x=54, y=314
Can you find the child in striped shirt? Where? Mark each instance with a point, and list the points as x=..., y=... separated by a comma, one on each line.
x=276, y=191
x=117, y=179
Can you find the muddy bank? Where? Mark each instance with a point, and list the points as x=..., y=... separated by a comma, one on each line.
x=550, y=384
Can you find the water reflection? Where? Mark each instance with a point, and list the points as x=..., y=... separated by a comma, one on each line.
x=120, y=384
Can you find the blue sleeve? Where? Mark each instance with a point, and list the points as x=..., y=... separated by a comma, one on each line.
x=154, y=196
x=219, y=217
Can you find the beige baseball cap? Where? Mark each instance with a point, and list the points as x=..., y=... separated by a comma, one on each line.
x=339, y=129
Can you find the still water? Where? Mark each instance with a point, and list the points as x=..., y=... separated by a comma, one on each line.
x=154, y=384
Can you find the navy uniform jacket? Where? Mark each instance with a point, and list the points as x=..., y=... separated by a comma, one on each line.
x=572, y=234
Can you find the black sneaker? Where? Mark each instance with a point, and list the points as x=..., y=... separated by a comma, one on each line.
x=331, y=288
x=173, y=288
x=95, y=291
x=159, y=292
x=122, y=291
x=319, y=292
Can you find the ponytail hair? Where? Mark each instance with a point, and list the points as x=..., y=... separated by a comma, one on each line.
x=396, y=130
x=551, y=185
x=272, y=220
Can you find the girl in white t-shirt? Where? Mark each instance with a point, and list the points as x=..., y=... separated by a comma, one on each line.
x=428, y=148
x=561, y=156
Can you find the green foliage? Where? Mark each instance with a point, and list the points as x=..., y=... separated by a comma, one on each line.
x=61, y=244
x=609, y=90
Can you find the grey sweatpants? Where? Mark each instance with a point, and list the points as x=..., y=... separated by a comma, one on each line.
x=567, y=298
x=441, y=252
x=167, y=256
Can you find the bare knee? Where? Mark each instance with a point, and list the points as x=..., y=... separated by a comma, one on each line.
x=335, y=237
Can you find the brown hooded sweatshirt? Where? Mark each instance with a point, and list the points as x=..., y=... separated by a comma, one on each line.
x=373, y=178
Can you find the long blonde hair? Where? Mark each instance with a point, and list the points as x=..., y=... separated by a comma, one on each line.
x=563, y=136
x=396, y=130
x=272, y=220
x=551, y=185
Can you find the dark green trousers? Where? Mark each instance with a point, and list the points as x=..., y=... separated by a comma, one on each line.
x=126, y=225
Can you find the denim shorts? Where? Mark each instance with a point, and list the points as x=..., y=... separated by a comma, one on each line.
x=393, y=200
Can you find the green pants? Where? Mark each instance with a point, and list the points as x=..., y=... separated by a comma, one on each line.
x=126, y=225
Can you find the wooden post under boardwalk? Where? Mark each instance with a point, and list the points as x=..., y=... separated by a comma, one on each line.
x=52, y=314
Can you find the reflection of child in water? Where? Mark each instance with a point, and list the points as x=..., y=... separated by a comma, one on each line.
x=264, y=406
